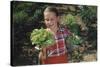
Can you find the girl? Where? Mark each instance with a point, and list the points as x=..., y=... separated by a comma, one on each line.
x=57, y=53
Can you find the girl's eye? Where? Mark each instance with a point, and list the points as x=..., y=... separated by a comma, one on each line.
x=47, y=19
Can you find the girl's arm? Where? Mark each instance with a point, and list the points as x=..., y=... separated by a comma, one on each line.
x=42, y=55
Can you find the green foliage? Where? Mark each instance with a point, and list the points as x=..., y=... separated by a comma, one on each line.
x=42, y=37
x=70, y=19
x=88, y=14
x=38, y=14
x=70, y=22
x=74, y=39
x=89, y=17
x=20, y=16
x=27, y=12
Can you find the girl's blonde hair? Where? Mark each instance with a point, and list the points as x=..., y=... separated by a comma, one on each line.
x=52, y=9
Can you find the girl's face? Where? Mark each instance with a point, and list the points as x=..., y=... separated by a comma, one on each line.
x=51, y=20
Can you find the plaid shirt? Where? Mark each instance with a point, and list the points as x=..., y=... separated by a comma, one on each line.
x=59, y=48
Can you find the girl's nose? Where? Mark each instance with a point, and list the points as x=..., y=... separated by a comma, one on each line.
x=49, y=22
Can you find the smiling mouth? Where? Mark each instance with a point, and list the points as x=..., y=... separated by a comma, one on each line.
x=50, y=25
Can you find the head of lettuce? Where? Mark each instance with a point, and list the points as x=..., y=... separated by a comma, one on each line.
x=42, y=38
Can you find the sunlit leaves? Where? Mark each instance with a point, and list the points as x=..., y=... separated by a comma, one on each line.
x=74, y=39
x=41, y=37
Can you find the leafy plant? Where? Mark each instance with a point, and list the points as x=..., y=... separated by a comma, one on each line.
x=42, y=38
x=70, y=22
x=74, y=39
x=70, y=19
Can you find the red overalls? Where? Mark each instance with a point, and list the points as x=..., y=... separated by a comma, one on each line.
x=57, y=53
